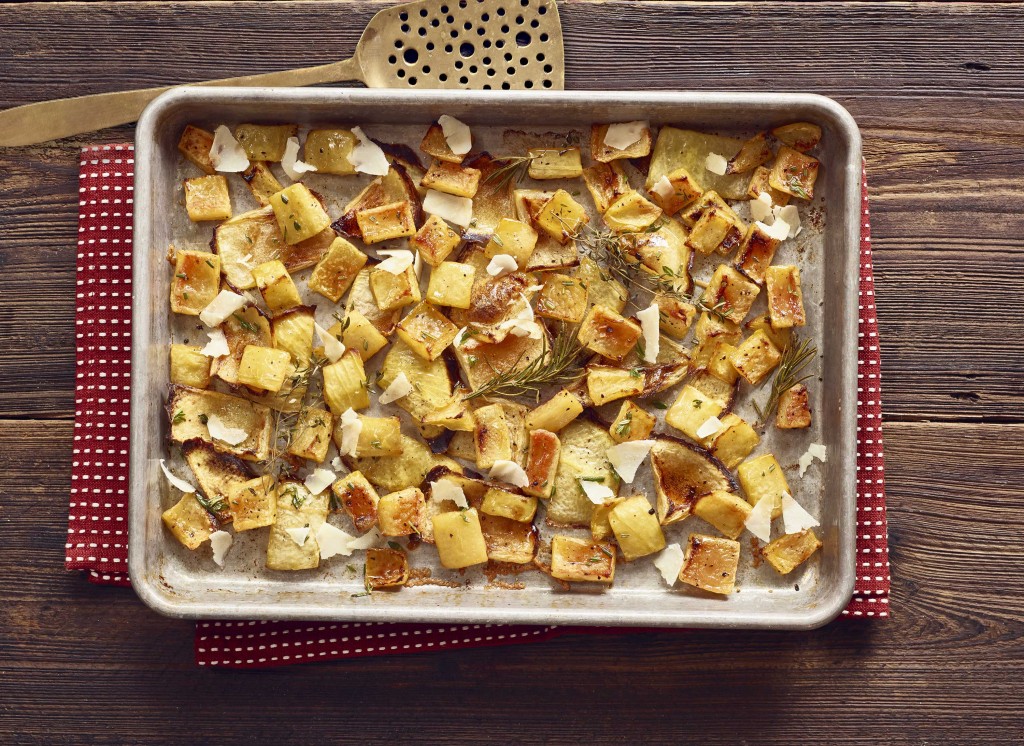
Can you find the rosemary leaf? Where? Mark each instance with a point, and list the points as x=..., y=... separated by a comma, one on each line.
x=797, y=355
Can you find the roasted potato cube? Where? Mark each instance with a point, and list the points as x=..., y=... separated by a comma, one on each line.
x=675, y=190
x=756, y=253
x=575, y=559
x=714, y=388
x=554, y=163
x=583, y=456
x=297, y=508
x=636, y=528
x=734, y=441
x=385, y=568
x=720, y=363
x=455, y=416
x=189, y=366
x=556, y=412
x=509, y=505
x=276, y=286
x=328, y=150
x=632, y=423
x=730, y=293
x=802, y=136
x=606, y=383
x=253, y=504
x=675, y=316
x=794, y=173
x=427, y=331
x=312, y=434
x=562, y=217
x=709, y=200
x=334, y=275
x=600, y=528
x=607, y=333
x=507, y=540
x=563, y=297
x=261, y=182
x=293, y=332
x=459, y=539
x=606, y=182
x=345, y=383
x=492, y=437
x=716, y=229
x=207, y=198
x=189, y=521
x=359, y=334
x=451, y=178
x=602, y=290
x=691, y=409
x=755, y=152
x=435, y=240
x=710, y=563
x=755, y=357
x=394, y=220
x=264, y=368
x=393, y=292
x=602, y=152
x=709, y=332
x=759, y=182
x=265, y=142
x=779, y=336
x=725, y=511
x=299, y=214
x=542, y=463
x=790, y=551
x=380, y=436
x=785, y=297
x=451, y=284
x=358, y=498
x=631, y=213
x=434, y=143
x=512, y=237
x=432, y=388
x=794, y=409
x=393, y=473
x=763, y=479
x=195, y=144
x=401, y=513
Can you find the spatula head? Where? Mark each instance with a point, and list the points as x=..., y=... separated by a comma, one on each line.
x=482, y=44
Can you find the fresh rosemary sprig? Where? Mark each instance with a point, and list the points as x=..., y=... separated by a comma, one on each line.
x=797, y=355
x=211, y=506
x=559, y=363
x=512, y=171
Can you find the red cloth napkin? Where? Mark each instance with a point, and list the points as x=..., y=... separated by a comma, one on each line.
x=97, y=520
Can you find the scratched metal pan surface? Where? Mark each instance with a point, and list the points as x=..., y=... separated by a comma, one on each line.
x=180, y=583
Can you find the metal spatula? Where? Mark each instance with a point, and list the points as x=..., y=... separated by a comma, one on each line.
x=500, y=44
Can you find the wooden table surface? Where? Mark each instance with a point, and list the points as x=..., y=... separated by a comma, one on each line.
x=938, y=91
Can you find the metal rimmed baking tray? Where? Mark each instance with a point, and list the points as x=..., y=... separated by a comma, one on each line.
x=180, y=583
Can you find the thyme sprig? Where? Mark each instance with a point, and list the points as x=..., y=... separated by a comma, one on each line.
x=288, y=424
x=558, y=363
x=211, y=506
x=513, y=169
x=797, y=355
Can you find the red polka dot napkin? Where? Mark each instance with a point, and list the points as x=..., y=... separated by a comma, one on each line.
x=98, y=511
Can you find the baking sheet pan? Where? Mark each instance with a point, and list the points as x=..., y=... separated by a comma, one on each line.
x=180, y=583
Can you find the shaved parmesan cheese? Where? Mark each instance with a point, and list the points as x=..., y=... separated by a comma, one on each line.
x=417, y=265
x=596, y=492
x=225, y=304
x=333, y=348
x=219, y=431
x=181, y=484
x=626, y=458
x=367, y=157
x=779, y=229
x=814, y=451
x=337, y=464
x=620, y=136
x=457, y=210
x=649, y=324
x=299, y=535
x=663, y=188
x=761, y=208
x=445, y=489
x=791, y=216
x=365, y=541
x=510, y=472
x=523, y=323
x=217, y=346
x=351, y=428
x=290, y=160
x=333, y=541
x=399, y=387
x=319, y=480
x=759, y=522
x=794, y=518
x=716, y=164
x=398, y=260
x=226, y=155
x=502, y=264
x=220, y=542
x=670, y=563
x=456, y=134
x=711, y=426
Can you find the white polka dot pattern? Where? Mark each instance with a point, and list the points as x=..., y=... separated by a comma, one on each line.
x=97, y=537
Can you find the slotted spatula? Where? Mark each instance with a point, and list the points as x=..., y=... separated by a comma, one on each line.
x=499, y=44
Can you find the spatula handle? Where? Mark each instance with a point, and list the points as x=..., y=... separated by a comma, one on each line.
x=49, y=120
